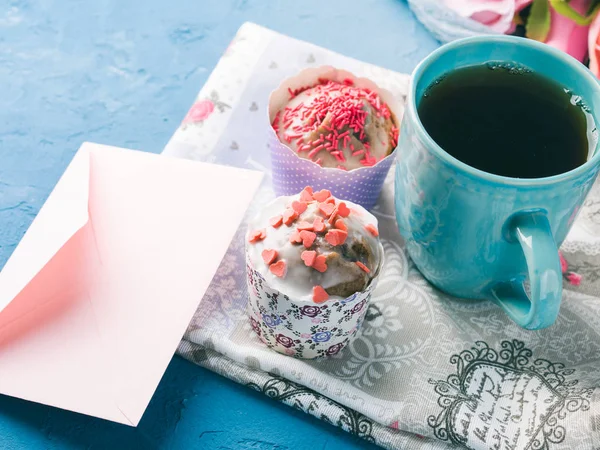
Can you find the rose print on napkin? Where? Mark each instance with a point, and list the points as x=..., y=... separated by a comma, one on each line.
x=199, y=111
x=202, y=109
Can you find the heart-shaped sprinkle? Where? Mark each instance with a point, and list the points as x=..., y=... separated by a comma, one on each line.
x=269, y=256
x=372, y=229
x=363, y=267
x=289, y=215
x=295, y=237
x=326, y=209
x=307, y=194
x=330, y=200
x=308, y=256
x=343, y=210
x=257, y=235
x=341, y=225
x=322, y=195
x=336, y=237
x=333, y=215
x=279, y=268
x=320, y=263
x=304, y=226
x=308, y=237
x=318, y=225
x=299, y=207
x=320, y=295
x=276, y=221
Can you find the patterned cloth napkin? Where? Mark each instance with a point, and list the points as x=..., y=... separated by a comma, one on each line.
x=427, y=371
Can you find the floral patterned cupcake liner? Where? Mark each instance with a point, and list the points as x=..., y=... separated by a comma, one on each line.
x=292, y=173
x=301, y=329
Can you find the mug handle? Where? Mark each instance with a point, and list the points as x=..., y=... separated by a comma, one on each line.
x=539, y=309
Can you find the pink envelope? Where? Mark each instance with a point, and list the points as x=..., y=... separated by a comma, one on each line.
x=97, y=295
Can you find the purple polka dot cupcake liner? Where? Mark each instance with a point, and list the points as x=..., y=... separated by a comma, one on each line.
x=291, y=173
x=304, y=329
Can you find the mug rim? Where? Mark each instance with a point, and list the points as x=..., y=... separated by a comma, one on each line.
x=478, y=173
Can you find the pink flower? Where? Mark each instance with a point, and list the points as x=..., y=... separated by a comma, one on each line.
x=199, y=111
x=574, y=278
x=594, y=46
x=495, y=14
x=563, y=262
x=305, y=335
x=289, y=351
x=520, y=4
x=566, y=35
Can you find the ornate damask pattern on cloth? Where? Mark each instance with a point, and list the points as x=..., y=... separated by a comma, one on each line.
x=426, y=371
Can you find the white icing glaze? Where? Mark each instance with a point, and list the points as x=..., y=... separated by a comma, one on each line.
x=300, y=279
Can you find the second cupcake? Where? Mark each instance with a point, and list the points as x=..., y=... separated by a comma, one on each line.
x=312, y=265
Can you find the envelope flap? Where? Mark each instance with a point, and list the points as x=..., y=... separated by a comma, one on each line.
x=64, y=213
x=51, y=349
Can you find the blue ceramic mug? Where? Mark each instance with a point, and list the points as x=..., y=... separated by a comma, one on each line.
x=478, y=235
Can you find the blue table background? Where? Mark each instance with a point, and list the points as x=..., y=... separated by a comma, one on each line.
x=124, y=73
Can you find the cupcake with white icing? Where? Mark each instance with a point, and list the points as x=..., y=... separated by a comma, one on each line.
x=312, y=262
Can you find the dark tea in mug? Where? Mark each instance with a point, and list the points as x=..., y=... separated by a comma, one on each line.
x=507, y=120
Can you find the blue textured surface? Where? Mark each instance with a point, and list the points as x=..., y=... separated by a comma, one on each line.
x=124, y=73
